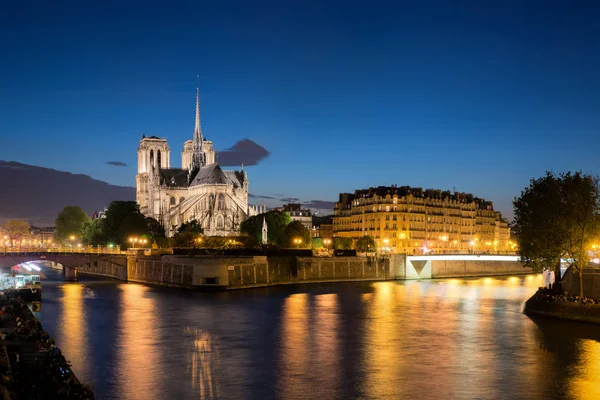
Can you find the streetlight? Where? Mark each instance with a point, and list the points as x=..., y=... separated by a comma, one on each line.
x=327, y=242
x=297, y=241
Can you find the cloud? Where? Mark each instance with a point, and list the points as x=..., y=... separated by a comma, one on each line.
x=244, y=151
x=117, y=163
x=256, y=196
x=279, y=194
x=290, y=199
x=319, y=204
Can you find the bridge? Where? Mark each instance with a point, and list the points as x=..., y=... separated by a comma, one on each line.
x=232, y=272
x=108, y=263
x=461, y=265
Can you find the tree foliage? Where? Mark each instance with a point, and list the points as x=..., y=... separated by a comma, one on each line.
x=122, y=220
x=317, y=243
x=17, y=229
x=295, y=230
x=93, y=233
x=155, y=229
x=340, y=243
x=558, y=216
x=364, y=244
x=276, y=223
x=70, y=222
x=188, y=235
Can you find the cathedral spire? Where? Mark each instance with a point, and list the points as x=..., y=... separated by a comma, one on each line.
x=198, y=127
x=198, y=159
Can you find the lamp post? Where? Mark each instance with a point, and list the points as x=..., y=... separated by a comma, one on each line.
x=327, y=242
x=297, y=241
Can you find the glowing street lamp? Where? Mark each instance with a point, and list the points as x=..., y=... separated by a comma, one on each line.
x=297, y=241
x=327, y=242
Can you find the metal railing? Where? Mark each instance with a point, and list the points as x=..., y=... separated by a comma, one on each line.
x=63, y=250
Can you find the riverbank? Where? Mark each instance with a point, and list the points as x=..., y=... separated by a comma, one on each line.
x=546, y=303
x=31, y=367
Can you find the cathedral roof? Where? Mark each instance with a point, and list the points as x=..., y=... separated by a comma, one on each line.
x=174, y=177
x=238, y=178
x=210, y=174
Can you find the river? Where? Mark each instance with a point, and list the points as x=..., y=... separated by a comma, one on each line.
x=448, y=339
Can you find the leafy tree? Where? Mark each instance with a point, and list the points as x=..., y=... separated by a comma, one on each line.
x=123, y=219
x=70, y=222
x=17, y=229
x=364, y=244
x=155, y=229
x=295, y=230
x=558, y=216
x=317, y=243
x=276, y=223
x=188, y=235
x=93, y=233
x=340, y=243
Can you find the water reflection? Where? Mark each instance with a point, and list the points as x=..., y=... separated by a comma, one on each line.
x=294, y=334
x=455, y=338
x=203, y=362
x=72, y=328
x=139, y=347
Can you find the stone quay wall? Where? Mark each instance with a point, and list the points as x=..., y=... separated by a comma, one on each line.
x=448, y=269
x=250, y=271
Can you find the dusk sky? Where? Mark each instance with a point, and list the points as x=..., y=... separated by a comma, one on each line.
x=479, y=96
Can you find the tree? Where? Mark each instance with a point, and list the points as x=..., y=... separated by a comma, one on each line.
x=123, y=219
x=188, y=235
x=317, y=243
x=17, y=229
x=340, y=243
x=276, y=223
x=93, y=233
x=70, y=222
x=294, y=231
x=558, y=217
x=155, y=229
x=365, y=244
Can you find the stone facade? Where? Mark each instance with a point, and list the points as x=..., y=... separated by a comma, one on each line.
x=413, y=221
x=199, y=190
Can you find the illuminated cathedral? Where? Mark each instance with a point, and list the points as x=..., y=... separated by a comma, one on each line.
x=199, y=190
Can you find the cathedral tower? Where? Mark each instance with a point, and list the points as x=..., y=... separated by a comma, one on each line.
x=198, y=158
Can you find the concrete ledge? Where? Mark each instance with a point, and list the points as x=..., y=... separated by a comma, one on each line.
x=299, y=282
x=562, y=310
x=483, y=275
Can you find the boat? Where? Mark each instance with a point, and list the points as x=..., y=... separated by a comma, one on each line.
x=27, y=287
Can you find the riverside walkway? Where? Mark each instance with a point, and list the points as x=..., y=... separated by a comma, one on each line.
x=31, y=367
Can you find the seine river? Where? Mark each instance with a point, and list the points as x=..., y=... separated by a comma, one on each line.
x=442, y=339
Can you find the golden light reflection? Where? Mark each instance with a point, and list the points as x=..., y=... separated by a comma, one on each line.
x=139, y=365
x=294, y=348
x=585, y=383
x=203, y=363
x=72, y=330
x=383, y=339
x=327, y=337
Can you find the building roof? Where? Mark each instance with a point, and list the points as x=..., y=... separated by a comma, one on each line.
x=211, y=174
x=174, y=177
x=237, y=178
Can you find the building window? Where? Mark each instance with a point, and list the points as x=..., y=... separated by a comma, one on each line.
x=220, y=222
x=158, y=159
x=172, y=201
x=221, y=204
x=152, y=158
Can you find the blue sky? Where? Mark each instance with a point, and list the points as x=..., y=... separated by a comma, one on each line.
x=473, y=95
